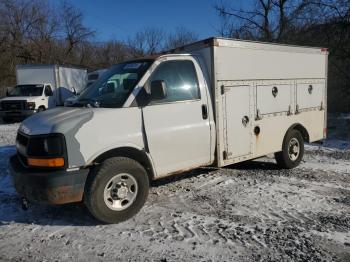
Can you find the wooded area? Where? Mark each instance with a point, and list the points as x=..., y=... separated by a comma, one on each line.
x=33, y=31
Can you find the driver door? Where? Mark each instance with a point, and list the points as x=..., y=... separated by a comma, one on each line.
x=177, y=126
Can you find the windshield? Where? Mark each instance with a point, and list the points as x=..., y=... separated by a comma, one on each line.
x=114, y=86
x=26, y=90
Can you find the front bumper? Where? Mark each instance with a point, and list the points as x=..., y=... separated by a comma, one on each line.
x=52, y=187
x=16, y=113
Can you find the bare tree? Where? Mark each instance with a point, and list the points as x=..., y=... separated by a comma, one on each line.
x=147, y=41
x=181, y=36
x=73, y=27
x=273, y=20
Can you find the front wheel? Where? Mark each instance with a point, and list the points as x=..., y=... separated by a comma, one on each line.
x=116, y=190
x=40, y=109
x=292, y=150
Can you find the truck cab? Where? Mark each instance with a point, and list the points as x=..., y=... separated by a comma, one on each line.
x=213, y=103
x=24, y=100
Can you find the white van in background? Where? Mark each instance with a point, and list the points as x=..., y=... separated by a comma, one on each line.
x=40, y=87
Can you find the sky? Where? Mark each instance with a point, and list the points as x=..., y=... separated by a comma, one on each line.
x=120, y=19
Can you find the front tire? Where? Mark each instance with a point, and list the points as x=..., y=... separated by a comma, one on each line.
x=116, y=190
x=292, y=150
x=41, y=109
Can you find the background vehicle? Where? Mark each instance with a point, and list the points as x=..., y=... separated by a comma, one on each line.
x=91, y=78
x=40, y=87
x=215, y=102
x=94, y=76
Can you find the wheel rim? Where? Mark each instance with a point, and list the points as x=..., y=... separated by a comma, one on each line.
x=120, y=192
x=293, y=149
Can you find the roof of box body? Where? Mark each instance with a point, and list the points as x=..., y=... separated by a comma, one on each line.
x=230, y=42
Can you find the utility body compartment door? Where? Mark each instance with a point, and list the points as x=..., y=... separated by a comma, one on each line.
x=274, y=98
x=237, y=122
x=310, y=95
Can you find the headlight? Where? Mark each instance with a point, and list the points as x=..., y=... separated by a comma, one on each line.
x=51, y=145
x=46, y=151
x=31, y=105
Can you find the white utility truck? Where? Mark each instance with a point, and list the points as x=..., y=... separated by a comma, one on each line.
x=214, y=102
x=40, y=87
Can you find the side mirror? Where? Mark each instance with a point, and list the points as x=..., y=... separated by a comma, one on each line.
x=48, y=91
x=158, y=90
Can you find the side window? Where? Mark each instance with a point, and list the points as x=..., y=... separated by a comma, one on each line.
x=48, y=91
x=180, y=78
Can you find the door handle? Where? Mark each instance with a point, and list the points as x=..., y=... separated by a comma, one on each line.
x=204, y=111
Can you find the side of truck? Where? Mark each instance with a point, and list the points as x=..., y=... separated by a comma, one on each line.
x=214, y=102
x=40, y=87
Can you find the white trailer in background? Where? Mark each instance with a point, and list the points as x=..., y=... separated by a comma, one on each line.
x=40, y=87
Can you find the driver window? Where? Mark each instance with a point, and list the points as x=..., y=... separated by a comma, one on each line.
x=180, y=78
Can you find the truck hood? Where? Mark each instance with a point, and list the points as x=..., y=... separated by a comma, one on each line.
x=89, y=131
x=56, y=120
x=25, y=98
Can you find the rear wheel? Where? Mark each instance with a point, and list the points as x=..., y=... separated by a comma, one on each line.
x=292, y=150
x=116, y=190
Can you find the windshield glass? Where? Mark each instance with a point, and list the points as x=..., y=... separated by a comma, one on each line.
x=26, y=90
x=114, y=86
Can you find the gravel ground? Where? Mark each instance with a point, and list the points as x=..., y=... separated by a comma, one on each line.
x=249, y=211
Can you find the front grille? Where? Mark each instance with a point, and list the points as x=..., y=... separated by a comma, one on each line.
x=13, y=105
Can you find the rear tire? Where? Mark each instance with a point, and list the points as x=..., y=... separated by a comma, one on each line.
x=292, y=150
x=116, y=190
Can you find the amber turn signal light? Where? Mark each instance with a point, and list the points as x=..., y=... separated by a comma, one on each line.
x=48, y=162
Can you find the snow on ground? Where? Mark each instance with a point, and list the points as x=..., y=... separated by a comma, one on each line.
x=248, y=211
